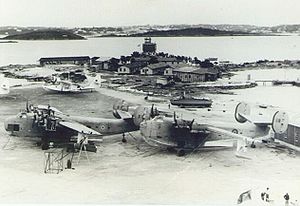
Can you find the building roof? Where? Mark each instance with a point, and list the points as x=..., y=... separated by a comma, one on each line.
x=167, y=59
x=158, y=65
x=134, y=65
x=74, y=58
x=142, y=59
x=196, y=70
x=212, y=59
x=103, y=59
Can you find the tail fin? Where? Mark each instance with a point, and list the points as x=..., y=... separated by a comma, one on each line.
x=280, y=122
x=241, y=111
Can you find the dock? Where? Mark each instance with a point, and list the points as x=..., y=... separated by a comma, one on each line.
x=278, y=82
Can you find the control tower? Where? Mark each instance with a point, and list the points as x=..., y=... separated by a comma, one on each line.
x=148, y=46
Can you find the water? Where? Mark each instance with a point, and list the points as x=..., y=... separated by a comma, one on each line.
x=236, y=49
x=284, y=97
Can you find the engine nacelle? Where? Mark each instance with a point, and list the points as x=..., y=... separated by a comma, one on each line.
x=242, y=108
x=157, y=128
x=141, y=114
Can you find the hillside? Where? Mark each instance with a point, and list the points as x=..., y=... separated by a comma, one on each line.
x=45, y=35
x=191, y=32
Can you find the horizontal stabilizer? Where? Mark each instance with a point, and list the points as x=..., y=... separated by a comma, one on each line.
x=79, y=128
x=260, y=121
x=231, y=134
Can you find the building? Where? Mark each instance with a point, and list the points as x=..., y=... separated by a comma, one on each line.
x=78, y=60
x=99, y=63
x=291, y=137
x=149, y=47
x=169, y=60
x=196, y=74
x=190, y=74
x=133, y=68
x=212, y=60
x=155, y=69
x=144, y=60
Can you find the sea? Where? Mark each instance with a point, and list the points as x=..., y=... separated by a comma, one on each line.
x=236, y=49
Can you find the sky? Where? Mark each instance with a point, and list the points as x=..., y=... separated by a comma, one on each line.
x=88, y=13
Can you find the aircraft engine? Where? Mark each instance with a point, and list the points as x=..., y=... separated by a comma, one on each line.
x=244, y=109
x=280, y=122
x=120, y=105
x=141, y=114
x=157, y=128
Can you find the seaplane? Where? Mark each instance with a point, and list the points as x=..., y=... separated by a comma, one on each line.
x=4, y=87
x=48, y=124
x=180, y=135
x=67, y=87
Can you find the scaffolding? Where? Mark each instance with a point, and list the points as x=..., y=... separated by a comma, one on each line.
x=54, y=160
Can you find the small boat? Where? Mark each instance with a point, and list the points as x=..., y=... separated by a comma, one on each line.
x=67, y=87
x=189, y=101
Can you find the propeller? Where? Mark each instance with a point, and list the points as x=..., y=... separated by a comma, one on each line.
x=152, y=114
x=191, y=124
x=27, y=107
x=175, y=120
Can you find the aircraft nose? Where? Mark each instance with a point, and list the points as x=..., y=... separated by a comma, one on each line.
x=8, y=121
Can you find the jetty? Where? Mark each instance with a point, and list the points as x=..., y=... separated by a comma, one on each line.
x=278, y=82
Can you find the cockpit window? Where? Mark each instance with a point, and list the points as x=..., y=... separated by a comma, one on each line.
x=13, y=127
x=23, y=115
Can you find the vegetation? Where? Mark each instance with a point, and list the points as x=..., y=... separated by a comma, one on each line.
x=190, y=32
x=45, y=35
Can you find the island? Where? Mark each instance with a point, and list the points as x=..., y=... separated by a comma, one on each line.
x=45, y=35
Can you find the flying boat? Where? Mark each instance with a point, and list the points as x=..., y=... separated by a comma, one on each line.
x=50, y=124
x=184, y=135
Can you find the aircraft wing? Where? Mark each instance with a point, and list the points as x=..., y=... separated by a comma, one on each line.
x=124, y=114
x=45, y=107
x=231, y=134
x=79, y=128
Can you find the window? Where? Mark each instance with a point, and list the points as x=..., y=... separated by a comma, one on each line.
x=296, y=137
x=13, y=127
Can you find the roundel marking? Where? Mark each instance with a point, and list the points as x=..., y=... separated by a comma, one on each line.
x=102, y=127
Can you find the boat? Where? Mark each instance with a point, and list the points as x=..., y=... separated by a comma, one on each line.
x=189, y=101
x=67, y=87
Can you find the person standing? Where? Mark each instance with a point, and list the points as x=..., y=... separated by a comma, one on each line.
x=262, y=195
x=287, y=198
x=267, y=195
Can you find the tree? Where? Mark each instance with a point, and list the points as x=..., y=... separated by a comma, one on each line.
x=114, y=64
x=206, y=64
x=135, y=54
x=153, y=60
x=123, y=59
